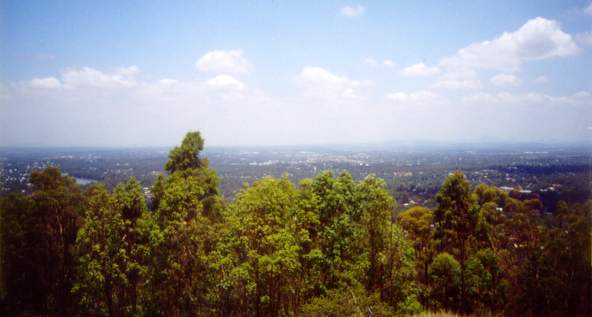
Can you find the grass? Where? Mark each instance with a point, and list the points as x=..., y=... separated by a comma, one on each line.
x=435, y=314
x=450, y=314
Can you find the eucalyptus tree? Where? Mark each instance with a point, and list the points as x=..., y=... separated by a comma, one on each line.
x=113, y=251
x=455, y=221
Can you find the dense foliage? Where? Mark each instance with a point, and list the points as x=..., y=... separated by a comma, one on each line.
x=328, y=246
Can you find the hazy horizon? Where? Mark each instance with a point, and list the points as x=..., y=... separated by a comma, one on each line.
x=257, y=74
x=386, y=145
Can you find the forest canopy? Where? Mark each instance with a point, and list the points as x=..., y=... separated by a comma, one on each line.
x=327, y=246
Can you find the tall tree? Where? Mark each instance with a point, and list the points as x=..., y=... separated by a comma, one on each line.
x=445, y=274
x=568, y=249
x=38, y=250
x=186, y=156
x=376, y=207
x=19, y=264
x=98, y=248
x=188, y=211
x=113, y=250
x=340, y=232
x=418, y=223
x=265, y=247
x=455, y=220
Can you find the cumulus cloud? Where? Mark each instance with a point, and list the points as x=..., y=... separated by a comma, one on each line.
x=537, y=39
x=117, y=107
x=318, y=82
x=46, y=83
x=541, y=80
x=352, y=11
x=458, y=79
x=420, y=70
x=388, y=63
x=530, y=99
x=371, y=61
x=90, y=77
x=121, y=107
x=582, y=95
x=224, y=61
x=505, y=80
x=225, y=82
x=415, y=98
x=457, y=84
x=160, y=111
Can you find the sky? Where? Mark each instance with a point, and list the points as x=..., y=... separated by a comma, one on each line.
x=143, y=73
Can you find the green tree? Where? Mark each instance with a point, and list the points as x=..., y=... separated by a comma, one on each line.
x=265, y=249
x=185, y=233
x=525, y=262
x=340, y=234
x=445, y=274
x=186, y=156
x=19, y=264
x=486, y=282
x=455, y=222
x=307, y=234
x=157, y=191
x=391, y=257
x=113, y=249
x=128, y=200
x=180, y=240
x=568, y=249
x=98, y=248
x=398, y=286
x=376, y=207
x=418, y=223
x=39, y=242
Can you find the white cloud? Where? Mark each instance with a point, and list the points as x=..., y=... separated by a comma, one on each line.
x=318, y=82
x=541, y=80
x=45, y=83
x=457, y=84
x=225, y=82
x=388, y=63
x=537, y=39
x=352, y=11
x=370, y=61
x=582, y=94
x=317, y=75
x=224, y=61
x=502, y=99
x=330, y=108
x=104, y=112
x=90, y=77
x=458, y=79
x=168, y=81
x=420, y=97
x=127, y=72
x=505, y=80
x=420, y=70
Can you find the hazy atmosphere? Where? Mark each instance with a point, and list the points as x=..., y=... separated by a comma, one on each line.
x=272, y=73
x=296, y=158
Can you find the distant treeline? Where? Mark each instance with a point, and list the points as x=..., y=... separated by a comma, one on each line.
x=327, y=246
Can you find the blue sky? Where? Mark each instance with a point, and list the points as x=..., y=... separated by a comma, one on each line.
x=273, y=72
